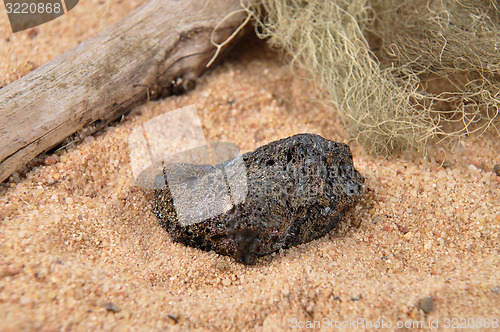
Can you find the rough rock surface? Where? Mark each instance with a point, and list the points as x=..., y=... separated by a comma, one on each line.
x=297, y=189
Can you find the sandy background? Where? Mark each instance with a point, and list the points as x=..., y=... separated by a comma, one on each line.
x=80, y=249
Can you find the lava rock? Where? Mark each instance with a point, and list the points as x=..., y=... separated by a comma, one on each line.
x=282, y=194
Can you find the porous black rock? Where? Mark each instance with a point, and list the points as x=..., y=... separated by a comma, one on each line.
x=294, y=190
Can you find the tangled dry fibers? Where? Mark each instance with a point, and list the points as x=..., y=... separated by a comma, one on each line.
x=398, y=72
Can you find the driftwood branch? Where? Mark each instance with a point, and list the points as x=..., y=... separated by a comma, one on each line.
x=159, y=49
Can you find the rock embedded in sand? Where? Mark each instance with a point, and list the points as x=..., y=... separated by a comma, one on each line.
x=496, y=169
x=426, y=304
x=293, y=191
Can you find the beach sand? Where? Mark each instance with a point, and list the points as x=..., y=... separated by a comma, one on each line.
x=81, y=251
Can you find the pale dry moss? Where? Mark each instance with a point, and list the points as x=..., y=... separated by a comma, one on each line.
x=375, y=58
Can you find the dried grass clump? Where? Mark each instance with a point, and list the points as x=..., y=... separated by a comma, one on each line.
x=398, y=72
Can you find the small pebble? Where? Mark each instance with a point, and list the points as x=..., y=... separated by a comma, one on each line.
x=111, y=307
x=472, y=168
x=88, y=139
x=444, y=163
x=51, y=295
x=24, y=300
x=222, y=266
x=427, y=304
x=69, y=200
x=50, y=160
x=11, y=270
x=408, y=235
x=496, y=289
x=174, y=318
x=15, y=177
x=403, y=229
x=496, y=169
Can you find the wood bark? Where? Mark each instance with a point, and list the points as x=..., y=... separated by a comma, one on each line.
x=159, y=49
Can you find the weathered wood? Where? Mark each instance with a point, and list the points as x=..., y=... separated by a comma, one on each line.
x=157, y=50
